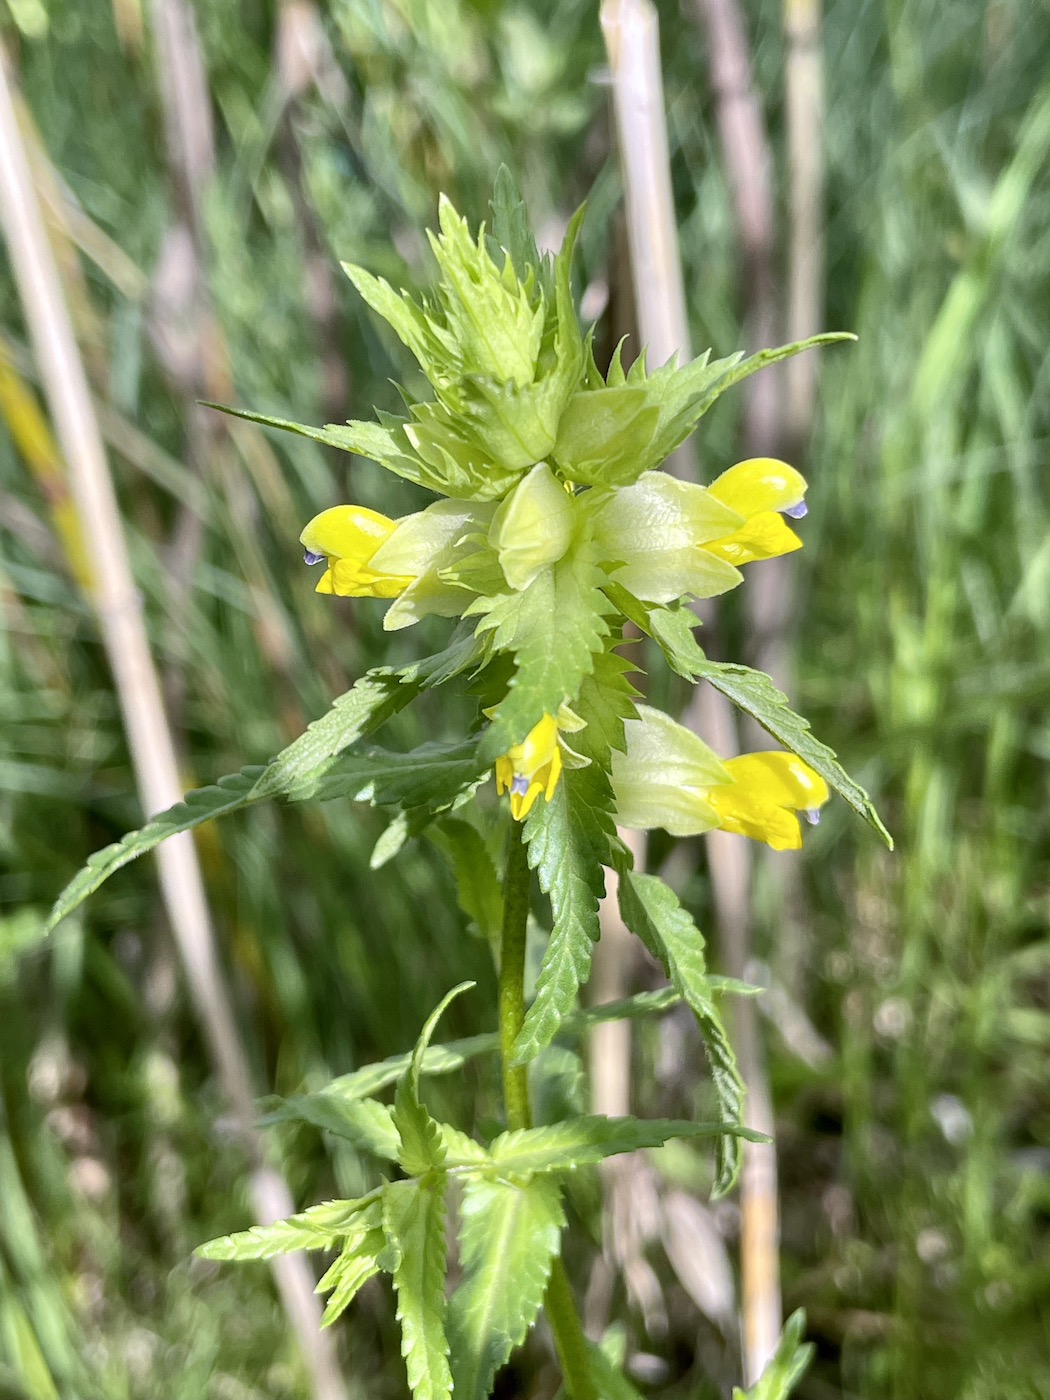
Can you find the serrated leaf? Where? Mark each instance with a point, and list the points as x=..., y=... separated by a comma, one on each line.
x=378, y=695
x=510, y=226
x=788, y=1366
x=460, y=1148
x=478, y=887
x=582, y=1141
x=602, y=433
x=431, y=775
x=554, y=629
x=448, y=1058
x=569, y=841
x=509, y=1235
x=358, y=1262
x=422, y=1148
x=320, y=1227
x=751, y=691
x=414, y=1225
x=684, y=394
x=605, y=701
x=384, y=442
x=408, y=322
x=369, y=1125
x=439, y=1059
x=652, y=911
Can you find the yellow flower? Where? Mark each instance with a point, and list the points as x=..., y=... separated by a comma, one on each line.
x=346, y=538
x=763, y=491
x=531, y=767
x=766, y=792
x=670, y=778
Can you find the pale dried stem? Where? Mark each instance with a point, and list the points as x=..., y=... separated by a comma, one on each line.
x=118, y=607
x=804, y=102
x=804, y=112
x=630, y=29
x=749, y=171
x=632, y=40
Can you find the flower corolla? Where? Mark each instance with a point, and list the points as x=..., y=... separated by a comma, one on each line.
x=670, y=778
x=535, y=765
x=672, y=539
x=369, y=555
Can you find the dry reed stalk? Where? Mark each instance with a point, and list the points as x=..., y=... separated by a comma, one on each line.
x=804, y=105
x=118, y=607
x=630, y=28
x=749, y=172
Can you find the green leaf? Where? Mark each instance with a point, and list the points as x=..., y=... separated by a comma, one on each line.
x=554, y=629
x=369, y=1133
x=683, y=394
x=509, y=1236
x=578, y=1142
x=408, y=322
x=321, y=1227
x=605, y=701
x=433, y=776
x=751, y=691
x=422, y=1148
x=369, y=1125
x=376, y=696
x=652, y=911
x=788, y=1366
x=414, y=1225
x=384, y=442
x=460, y=464
x=439, y=1059
x=602, y=434
x=569, y=842
x=490, y=317
x=358, y=1262
x=478, y=886
x=510, y=226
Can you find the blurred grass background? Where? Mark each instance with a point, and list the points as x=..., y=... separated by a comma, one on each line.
x=909, y=1036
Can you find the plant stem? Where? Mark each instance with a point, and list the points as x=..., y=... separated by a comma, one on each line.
x=516, y=882
x=559, y=1303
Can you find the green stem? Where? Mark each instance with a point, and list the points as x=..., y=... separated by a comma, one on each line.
x=559, y=1302
x=516, y=882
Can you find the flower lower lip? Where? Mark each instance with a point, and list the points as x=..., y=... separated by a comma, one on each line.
x=311, y=558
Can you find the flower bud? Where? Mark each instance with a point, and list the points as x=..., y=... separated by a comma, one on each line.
x=532, y=527
x=531, y=767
